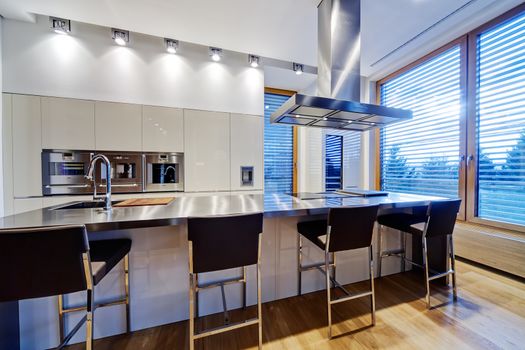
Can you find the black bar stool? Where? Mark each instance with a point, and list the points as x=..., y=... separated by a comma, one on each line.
x=105, y=255
x=347, y=228
x=220, y=243
x=439, y=220
x=47, y=261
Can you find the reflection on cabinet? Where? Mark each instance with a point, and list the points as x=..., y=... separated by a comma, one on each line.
x=118, y=126
x=162, y=129
x=207, y=151
x=246, y=150
x=27, y=146
x=68, y=123
x=27, y=204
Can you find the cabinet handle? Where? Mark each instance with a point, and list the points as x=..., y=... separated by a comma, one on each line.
x=120, y=185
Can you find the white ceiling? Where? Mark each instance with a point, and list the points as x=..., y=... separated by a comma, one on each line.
x=282, y=29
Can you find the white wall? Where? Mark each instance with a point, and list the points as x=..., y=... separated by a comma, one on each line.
x=87, y=64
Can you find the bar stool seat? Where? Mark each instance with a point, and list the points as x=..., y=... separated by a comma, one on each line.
x=314, y=231
x=106, y=254
x=400, y=221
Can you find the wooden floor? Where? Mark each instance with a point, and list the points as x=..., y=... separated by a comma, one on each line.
x=489, y=314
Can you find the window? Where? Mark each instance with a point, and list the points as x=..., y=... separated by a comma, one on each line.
x=501, y=122
x=278, y=149
x=468, y=103
x=421, y=156
x=333, y=162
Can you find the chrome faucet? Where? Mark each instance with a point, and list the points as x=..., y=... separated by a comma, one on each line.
x=90, y=176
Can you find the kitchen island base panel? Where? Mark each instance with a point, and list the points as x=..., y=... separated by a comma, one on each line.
x=159, y=281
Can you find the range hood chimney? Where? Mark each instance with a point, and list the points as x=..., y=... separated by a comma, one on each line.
x=338, y=78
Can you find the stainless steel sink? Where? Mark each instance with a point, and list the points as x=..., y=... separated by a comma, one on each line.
x=83, y=205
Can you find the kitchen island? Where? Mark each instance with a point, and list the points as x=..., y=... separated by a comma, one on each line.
x=159, y=258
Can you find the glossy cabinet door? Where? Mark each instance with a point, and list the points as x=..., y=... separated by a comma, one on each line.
x=27, y=146
x=68, y=124
x=162, y=129
x=7, y=153
x=27, y=204
x=206, y=151
x=247, y=132
x=118, y=126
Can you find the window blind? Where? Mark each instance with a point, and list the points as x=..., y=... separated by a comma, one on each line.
x=501, y=122
x=333, y=162
x=421, y=156
x=278, y=149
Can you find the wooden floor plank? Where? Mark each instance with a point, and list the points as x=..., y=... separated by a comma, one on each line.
x=489, y=314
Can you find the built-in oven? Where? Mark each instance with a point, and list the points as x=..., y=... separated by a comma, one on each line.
x=164, y=172
x=126, y=172
x=63, y=172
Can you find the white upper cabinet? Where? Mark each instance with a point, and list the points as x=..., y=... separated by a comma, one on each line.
x=162, y=129
x=27, y=146
x=247, y=133
x=68, y=124
x=206, y=151
x=118, y=126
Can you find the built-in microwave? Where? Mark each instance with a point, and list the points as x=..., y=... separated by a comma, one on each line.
x=164, y=172
x=63, y=172
x=126, y=172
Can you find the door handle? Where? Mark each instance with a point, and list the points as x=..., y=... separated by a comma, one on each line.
x=470, y=158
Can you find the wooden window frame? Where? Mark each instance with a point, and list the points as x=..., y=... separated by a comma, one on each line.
x=468, y=119
x=270, y=90
x=462, y=43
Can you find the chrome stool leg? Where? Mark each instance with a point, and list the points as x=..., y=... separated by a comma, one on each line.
x=333, y=270
x=425, y=262
x=299, y=263
x=126, y=286
x=61, y=315
x=379, y=249
x=196, y=289
x=453, y=266
x=404, y=249
x=328, y=298
x=244, y=287
x=372, y=296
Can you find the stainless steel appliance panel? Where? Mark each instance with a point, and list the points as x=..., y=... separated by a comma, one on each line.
x=126, y=173
x=63, y=172
x=164, y=172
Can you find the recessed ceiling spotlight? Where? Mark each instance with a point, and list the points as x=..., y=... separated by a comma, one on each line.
x=253, y=60
x=171, y=45
x=120, y=36
x=325, y=118
x=60, y=25
x=298, y=68
x=215, y=53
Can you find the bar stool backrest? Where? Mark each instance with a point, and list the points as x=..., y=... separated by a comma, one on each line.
x=351, y=227
x=442, y=217
x=44, y=261
x=224, y=242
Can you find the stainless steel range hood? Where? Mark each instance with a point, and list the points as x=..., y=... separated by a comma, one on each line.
x=338, y=78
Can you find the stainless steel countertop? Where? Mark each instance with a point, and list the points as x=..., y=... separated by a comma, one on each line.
x=273, y=205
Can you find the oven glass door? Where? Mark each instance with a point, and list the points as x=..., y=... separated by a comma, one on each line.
x=164, y=173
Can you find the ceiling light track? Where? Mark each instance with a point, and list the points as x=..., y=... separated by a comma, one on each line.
x=121, y=37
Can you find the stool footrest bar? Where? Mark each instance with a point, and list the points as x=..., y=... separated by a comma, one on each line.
x=226, y=328
x=350, y=297
x=439, y=275
x=105, y=304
